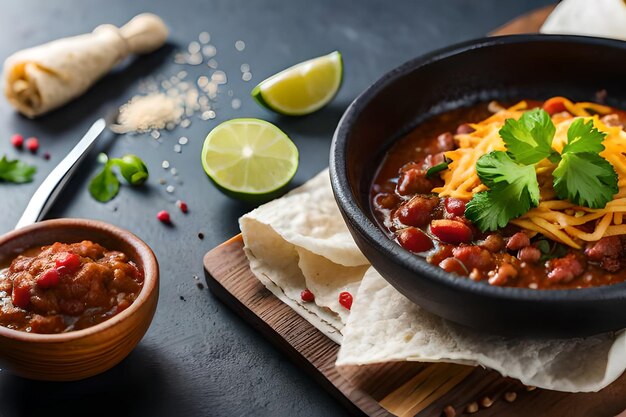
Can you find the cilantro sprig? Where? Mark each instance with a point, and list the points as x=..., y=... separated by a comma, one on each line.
x=105, y=185
x=16, y=171
x=581, y=176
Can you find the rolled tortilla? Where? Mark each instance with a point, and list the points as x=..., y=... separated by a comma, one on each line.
x=42, y=78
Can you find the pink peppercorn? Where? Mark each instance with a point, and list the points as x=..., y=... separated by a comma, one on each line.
x=182, y=206
x=17, y=141
x=163, y=216
x=32, y=144
x=345, y=299
x=307, y=296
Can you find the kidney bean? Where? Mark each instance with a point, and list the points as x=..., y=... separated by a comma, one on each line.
x=453, y=265
x=451, y=231
x=445, y=142
x=529, y=254
x=610, y=247
x=413, y=181
x=455, y=206
x=493, y=243
x=473, y=257
x=518, y=241
x=464, y=129
x=564, y=269
x=417, y=211
x=414, y=240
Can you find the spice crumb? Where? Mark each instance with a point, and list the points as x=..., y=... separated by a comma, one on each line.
x=182, y=298
x=199, y=285
x=471, y=408
x=449, y=411
x=510, y=396
x=200, y=235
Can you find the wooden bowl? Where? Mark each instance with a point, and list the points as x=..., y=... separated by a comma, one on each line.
x=83, y=353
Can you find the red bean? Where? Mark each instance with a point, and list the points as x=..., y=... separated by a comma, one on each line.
x=453, y=265
x=451, y=231
x=68, y=261
x=518, y=241
x=21, y=296
x=48, y=278
x=455, y=206
x=464, y=129
x=445, y=142
x=417, y=211
x=564, y=269
x=529, y=254
x=610, y=246
x=307, y=296
x=473, y=257
x=414, y=181
x=414, y=240
x=182, y=206
x=493, y=243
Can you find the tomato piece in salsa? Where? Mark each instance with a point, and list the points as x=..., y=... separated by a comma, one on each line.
x=436, y=228
x=65, y=287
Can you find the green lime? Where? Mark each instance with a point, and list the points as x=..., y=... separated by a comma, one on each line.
x=249, y=159
x=303, y=88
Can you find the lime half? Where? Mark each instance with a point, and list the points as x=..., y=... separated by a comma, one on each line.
x=303, y=88
x=249, y=159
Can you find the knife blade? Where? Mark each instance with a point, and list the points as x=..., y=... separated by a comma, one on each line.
x=51, y=187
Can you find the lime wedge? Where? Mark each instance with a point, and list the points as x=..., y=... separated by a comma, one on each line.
x=303, y=88
x=249, y=159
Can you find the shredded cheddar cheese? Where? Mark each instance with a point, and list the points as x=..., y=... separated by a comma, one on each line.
x=559, y=220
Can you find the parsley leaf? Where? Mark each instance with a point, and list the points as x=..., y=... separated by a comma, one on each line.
x=529, y=139
x=104, y=186
x=16, y=171
x=583, y=137
x=585, y=179
x=513, y=191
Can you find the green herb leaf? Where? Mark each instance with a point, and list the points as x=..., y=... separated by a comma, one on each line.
x=436, y=169
x=529, y=139
x=105, y=185
x=550, y=250
x=513, y=191
x=583, y=137
x=585, y=179
x=132, y=169
x=16, y=171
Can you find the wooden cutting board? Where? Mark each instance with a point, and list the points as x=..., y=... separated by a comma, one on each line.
x=402, y=389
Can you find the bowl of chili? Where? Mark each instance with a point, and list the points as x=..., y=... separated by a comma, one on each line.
x=402, y=127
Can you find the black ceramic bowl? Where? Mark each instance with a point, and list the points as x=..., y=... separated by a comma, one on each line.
x=501, y=68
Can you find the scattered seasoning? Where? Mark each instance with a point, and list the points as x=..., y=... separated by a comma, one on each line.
x=183, y=140
x=174, y=172
x=182, y=206
x=240, y=45
x=204, y=37
x=32, y=144
x=236, y=104
x=486, y=402
x=178, y=148
x=163, y=216
x=162, y=181
x=471, y=408
x=17, y=141
x=246, y=76
x=449, y=411
x=165, y=164
x=530, y=388
x=149, y=113
x=510, y=396
x=307, y=296
x=200, y=285
x=212, y=63
x=209, y=51
x=200, y=235
x=345, y=299
x=245, y=68
x=170, y=189
x=182, y=298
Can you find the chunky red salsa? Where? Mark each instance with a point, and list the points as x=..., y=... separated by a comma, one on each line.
x=65, y=287
x=437, y=229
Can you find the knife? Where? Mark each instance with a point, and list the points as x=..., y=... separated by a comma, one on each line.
x=54, y=183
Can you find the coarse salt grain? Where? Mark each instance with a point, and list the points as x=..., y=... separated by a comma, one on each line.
x=149, y=112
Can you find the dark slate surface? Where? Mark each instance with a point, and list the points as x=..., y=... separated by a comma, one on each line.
x=199, y=358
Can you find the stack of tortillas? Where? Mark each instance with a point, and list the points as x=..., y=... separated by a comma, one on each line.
x=300, y=241
x=42, y=78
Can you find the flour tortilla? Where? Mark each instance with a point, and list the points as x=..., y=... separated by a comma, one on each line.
x=384, y=326
x=39, y=79
x=602, y=18
x=300, y=241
